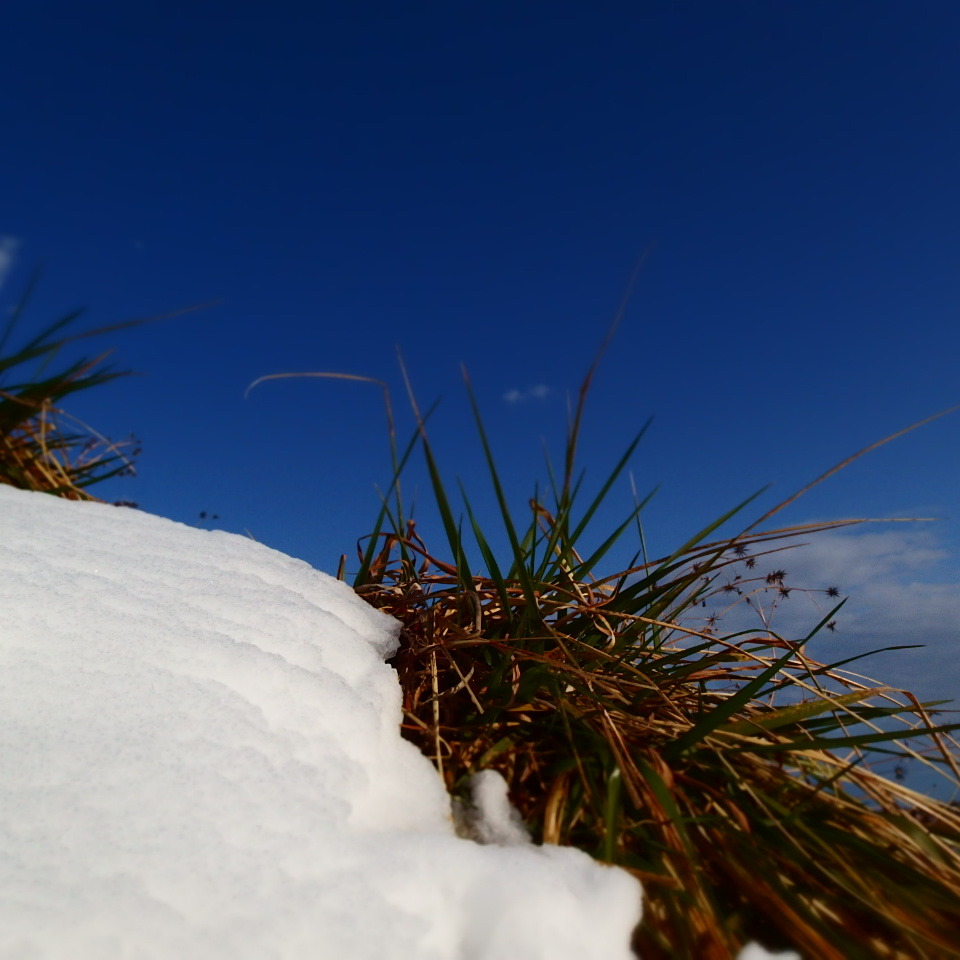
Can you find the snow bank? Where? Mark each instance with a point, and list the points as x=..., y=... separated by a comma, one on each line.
x=200, y=759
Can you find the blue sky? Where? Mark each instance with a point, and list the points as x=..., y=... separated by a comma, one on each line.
x=474, y=183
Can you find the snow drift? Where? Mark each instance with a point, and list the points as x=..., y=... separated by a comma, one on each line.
x=200, y=758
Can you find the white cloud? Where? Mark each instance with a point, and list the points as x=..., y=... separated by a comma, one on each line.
x=9, y=246
x=539, y=392
x=902, y=588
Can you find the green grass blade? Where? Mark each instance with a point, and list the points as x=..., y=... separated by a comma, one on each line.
x=608, y=483
x=723, y=711
x=519, y=557
x=795, y=713
x=845, y=742
x=611, y=816
x=450, y=526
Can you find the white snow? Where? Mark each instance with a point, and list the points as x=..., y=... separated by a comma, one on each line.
x=200, y=759
x=490, y=817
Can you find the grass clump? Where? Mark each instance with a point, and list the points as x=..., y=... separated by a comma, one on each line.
x=42, y=447
x=734, y=775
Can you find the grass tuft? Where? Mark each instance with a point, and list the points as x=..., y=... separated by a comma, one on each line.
x=42, y=447
x=734, y=775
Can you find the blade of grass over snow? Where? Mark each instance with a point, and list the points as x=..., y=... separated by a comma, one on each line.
x=737, y=777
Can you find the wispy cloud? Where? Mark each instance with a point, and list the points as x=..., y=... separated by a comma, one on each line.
x=8, y=255
x=901, y=587
x=539, y=392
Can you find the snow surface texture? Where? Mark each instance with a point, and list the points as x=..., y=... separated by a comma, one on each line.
x=200, y=759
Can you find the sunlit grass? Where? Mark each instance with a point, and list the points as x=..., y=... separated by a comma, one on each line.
x=734, y=775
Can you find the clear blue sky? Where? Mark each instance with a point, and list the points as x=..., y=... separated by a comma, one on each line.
x=474, y=182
